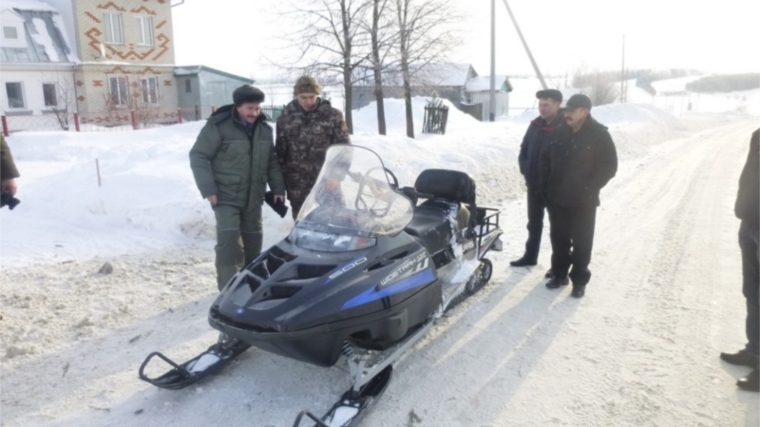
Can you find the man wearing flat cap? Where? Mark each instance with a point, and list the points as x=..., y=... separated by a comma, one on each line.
x=534, y=142
x=578, y=162
x=233, y=160
x=306, y=128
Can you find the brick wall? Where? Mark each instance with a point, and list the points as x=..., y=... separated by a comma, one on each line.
x=90, y=30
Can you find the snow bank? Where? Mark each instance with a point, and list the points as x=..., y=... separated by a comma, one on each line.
x=148, y=199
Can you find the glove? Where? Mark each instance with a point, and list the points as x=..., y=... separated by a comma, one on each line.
x=278, y=207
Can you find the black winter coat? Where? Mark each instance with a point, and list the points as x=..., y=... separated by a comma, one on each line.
x=747, y=206
x=575, y=166
x=535, y=140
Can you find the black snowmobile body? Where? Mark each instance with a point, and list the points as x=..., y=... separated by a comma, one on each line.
x=305, y=304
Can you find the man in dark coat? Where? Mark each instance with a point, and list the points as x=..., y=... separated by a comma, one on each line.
x=233, y=160
x=747, y=209
x=306, y=128
x=8, y=170
x=578, y=162
x=534, y=142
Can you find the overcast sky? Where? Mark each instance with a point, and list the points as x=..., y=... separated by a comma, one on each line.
x=717, y=36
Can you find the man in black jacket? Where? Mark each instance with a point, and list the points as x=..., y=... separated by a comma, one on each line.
x=747, y=209
x=534, y=142
x=579, y=160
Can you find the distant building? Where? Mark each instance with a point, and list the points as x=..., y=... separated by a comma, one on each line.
x=458, y=83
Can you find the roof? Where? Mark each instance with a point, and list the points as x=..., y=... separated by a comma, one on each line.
x=35, y=5
x=448, y=74
x=43, y=38
x=194, y=70
x=483, y=84
x=427, y=75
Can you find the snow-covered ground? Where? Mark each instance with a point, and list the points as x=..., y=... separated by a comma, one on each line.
x=640, y=349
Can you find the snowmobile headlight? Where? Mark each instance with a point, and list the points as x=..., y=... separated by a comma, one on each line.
x=329, y=242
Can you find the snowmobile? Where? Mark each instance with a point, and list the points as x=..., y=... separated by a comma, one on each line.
x=363, y=276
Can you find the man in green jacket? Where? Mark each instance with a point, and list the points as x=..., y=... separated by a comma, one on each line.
x=8, y=169
x=232, y=160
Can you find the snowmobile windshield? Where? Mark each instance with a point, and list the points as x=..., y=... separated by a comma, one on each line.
x=353, y=197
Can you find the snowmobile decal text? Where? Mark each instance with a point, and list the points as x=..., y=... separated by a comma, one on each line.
x=422, y=278
x=420, y=262
x=346, y=269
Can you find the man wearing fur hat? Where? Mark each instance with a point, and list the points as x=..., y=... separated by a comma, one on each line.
x=233, y=160
x=307, y=126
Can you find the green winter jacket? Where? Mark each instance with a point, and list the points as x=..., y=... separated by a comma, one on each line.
x=232, y=163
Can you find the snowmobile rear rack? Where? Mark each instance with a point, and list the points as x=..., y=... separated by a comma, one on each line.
x=207, y=363
x=488, y=231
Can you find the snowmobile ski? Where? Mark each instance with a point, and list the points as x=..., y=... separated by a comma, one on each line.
x=207, y=363
x=353, y=406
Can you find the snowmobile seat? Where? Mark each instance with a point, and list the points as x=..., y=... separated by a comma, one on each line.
x=450, y=185
x=431, y=225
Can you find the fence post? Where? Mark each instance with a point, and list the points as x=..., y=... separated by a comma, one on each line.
x=76, y=122
x=197, y=113
x=179, y=115
x=97, y=167
x=134, y=119
x=6, y=131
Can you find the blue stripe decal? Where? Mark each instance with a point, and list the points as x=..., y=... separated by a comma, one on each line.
x=419, y=279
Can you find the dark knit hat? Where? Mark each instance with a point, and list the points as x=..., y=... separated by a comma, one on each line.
x=247, y=93
x=549, y=93
x=578, y=101
x=307, y=84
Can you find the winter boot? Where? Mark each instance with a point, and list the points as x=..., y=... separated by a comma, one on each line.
x=523, y=262
x=578, y=291
x=751, y=382
x=741, y=358
x=555, y=282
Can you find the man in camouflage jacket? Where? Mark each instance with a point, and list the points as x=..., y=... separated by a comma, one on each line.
x=233, y=160
x=306, y=128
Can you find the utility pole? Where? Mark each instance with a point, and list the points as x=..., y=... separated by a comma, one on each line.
x=492, y=101
x=525, y=45
x=622, y=76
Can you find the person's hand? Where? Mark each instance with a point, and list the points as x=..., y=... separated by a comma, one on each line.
x=279, y=198
x=212, y=199
x=9, y=186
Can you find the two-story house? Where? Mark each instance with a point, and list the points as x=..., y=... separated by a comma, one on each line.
x=102, y=59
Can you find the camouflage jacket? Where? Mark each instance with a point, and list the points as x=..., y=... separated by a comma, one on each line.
x=302, y=141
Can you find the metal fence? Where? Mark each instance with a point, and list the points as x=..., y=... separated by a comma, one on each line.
x=117, y=120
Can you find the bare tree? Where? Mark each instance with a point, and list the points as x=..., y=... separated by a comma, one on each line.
x=330, y=41
x=383, y=37
x=62, y=98
x=426, y=34
x=598, y=85
x=147, y=114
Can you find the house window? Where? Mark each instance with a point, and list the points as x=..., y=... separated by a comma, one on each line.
x=50, y=94
x=145, y=27
x=15, y=92
x=119, y=89
x=10, y=33
x=188, y=86
x=150, y=90
x=113, y=28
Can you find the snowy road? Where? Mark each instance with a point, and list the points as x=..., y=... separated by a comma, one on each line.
x=640, y=349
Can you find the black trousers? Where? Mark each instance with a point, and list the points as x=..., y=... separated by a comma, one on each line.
x=536, y=206
x=748, y=242
x=572, y=228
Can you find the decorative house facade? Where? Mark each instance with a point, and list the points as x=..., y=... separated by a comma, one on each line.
x=109, y=61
